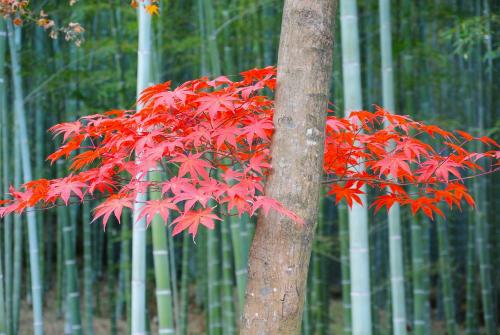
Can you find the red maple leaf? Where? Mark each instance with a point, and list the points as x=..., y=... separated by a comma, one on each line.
x=62, y=188
x=68, y=129
x=213, y=104
x=257, y=127
x=426, y=205
x=349, y=192
x=192, y=219
x=161, y=207
x=113, y=205
x=193, y=164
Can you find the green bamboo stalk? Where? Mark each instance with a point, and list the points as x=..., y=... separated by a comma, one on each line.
x=485, y=270
x=14, y=45
x=240, y=36
x=173, y=276
x=489, y=98
x=72, y=291
x=480, y=192
x=255, y=35
x=118, y=55
x=59, y=263
x=88, y=273
x=420, y=295
x=18, y=245
x=446, y=279
x=39, y=153
x=213, y=51
x=228, y=314
x=123, y=290
x=120, y=288
x=427, y=274
x=239, y=249
x=358, y=216
x=314, y=302
x=470, y=283
x=345, y=267
x=213, y=282
x=201, y=268
x=2, y=298
x=17, y=274
x=6, y=175
x=5, y=317
x=318, y=306
x=418, y=271
x=268, y=18
x=377, y=274
x=395, y=237
x=184, y=300
x=408, y=276
x=111, y=272
x=144, y=76
x=203, y=36
x=480, y=187
x=126, y=266
x=161, y=266
x=98, y=259
x=163, y=243
x=228, y=50
x=69, y=284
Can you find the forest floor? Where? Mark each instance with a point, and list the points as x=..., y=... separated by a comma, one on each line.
x=54, y=323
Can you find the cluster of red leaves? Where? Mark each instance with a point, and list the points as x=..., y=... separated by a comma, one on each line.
x=392, y=152
x=212, y=138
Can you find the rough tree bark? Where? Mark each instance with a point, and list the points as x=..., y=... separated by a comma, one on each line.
x=280, y=252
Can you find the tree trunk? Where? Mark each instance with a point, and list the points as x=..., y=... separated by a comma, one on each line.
x=280, y=252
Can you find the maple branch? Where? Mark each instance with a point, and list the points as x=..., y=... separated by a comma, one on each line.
x=379, y=181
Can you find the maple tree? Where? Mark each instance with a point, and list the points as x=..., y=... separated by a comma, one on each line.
x=212, y=139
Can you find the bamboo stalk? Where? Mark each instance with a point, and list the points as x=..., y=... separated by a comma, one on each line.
x=446, y=279
x=470, y=284
x=18, y=246
x=419, y=292
x=88, y=273
x=319, y=301
x=345, y=267
x=358, y=216
x=184, y=300
x=394, y=220
x=4, y=307
x=240, y=264
x=39, y=153
x=138, y=302
x=162, y=267
x=227, y=299
x=111, y=275
x=2, y=297
x=213, y=283
x=14, y=44
x=7, y=223
x=72, y=292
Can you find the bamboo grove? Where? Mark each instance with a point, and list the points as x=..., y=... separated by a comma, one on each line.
x=372, y=271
